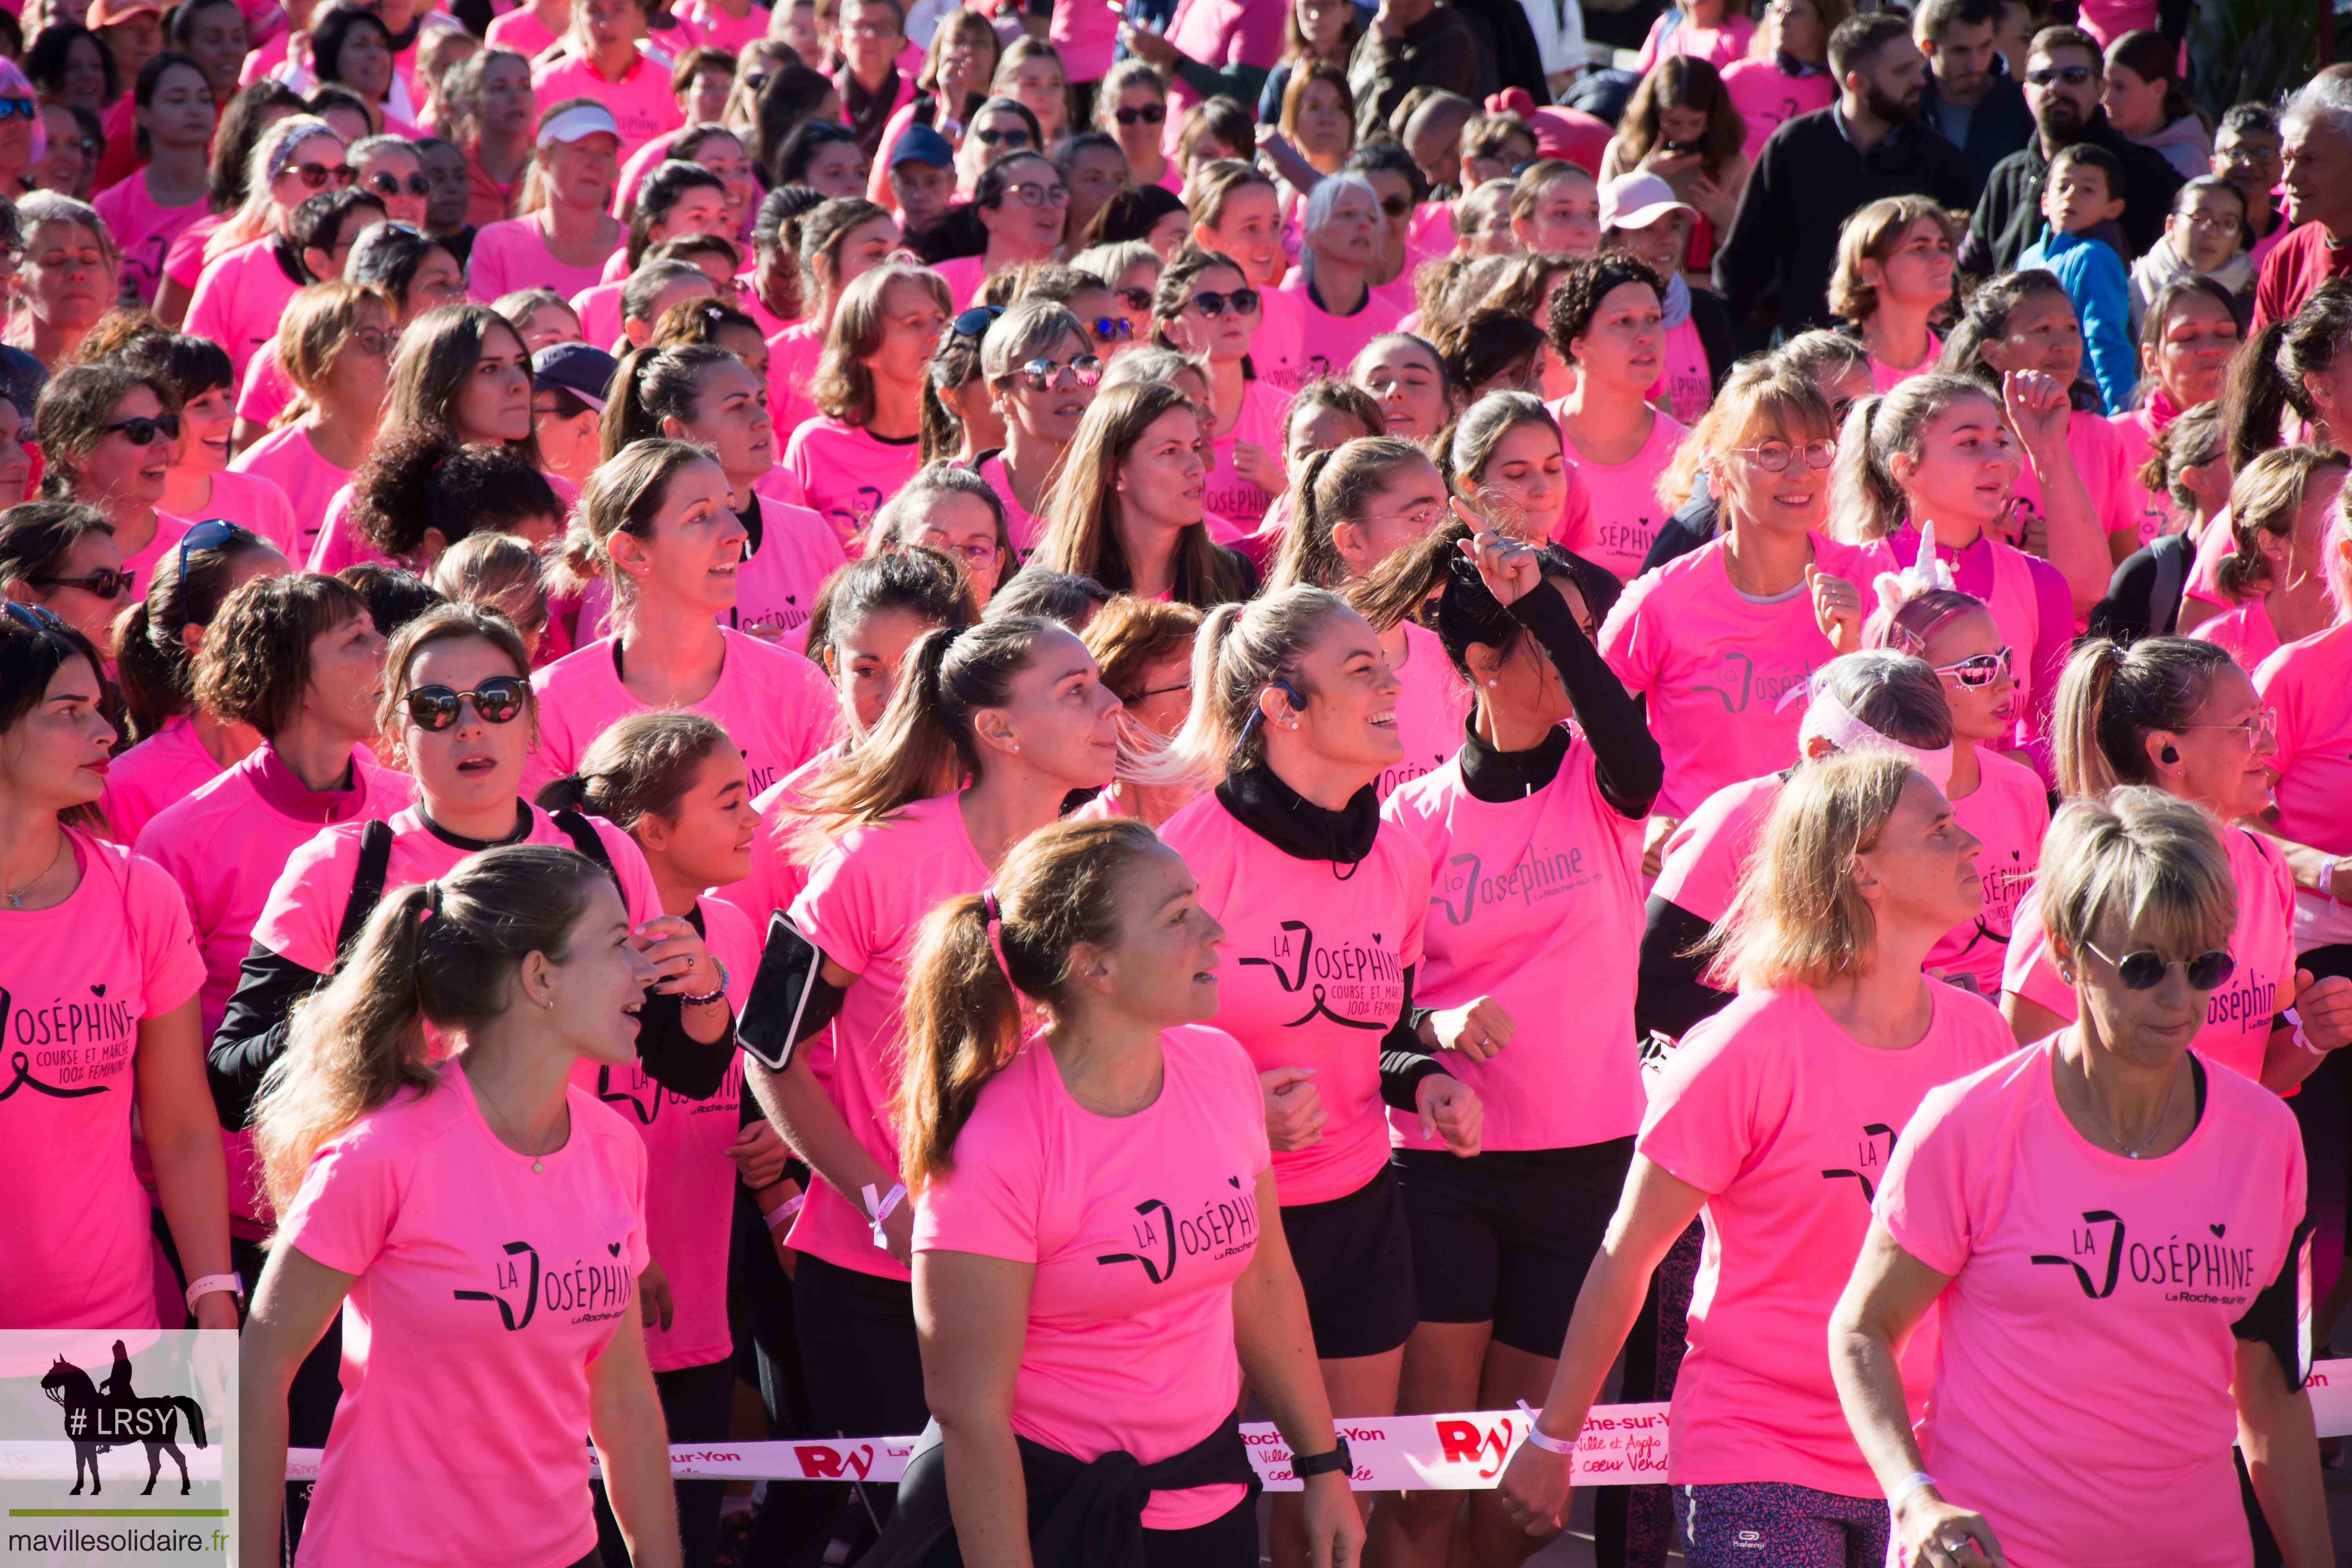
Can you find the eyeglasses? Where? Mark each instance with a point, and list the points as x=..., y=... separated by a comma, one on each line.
x=390, y=184
x=1774, y=457
x=1211, y=304
x=1041, y=196
x=16, y=108
x=1012, y=136
x=2073, y=75
x=106, y=583
x=377, y=342
x=2145, y=970
x=318, y=176
x=1135, y=299
x=41, y=622
x=1039, y=375
x=1113, y=328
x=755, y=82
x=1980, y=670
x=497, y=699
x=2258, y=727
x=971, y=554
x=142, y=431
x=2207, y=223
x=1148, y=114
x=975, y=322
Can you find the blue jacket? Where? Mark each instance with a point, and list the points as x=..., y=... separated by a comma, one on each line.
x=2094, y=280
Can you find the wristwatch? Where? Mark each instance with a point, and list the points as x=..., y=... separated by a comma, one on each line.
x=1305, y=1467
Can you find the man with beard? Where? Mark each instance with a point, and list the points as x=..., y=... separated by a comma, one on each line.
x=1817, y=168
x=2317, y=124
x=1970, y=100
x=2061, y=89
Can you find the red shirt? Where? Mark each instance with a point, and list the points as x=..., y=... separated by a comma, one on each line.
x=2296, y=267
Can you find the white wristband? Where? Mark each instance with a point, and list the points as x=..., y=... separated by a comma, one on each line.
x=1902, y=1490
x=210, y=1283
x=2303, y=1041
x=880, y=1211
x=782, y=1215
x=1543, y=1439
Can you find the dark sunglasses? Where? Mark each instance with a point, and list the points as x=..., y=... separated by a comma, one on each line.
x=1211, y=304
x=1149, y=114
x=497, y=699
x=106, y=583
x=318, y=176
x=1113, y=328
x=142, y=431
x=1135, y=299
x=975, y=322
x=388, y=185
x=1039, y=375
x=2073, y=75
x=2145, y=971
x=16, y=108
x=1016, y=137
x=1982, y=669
x=1396, y=206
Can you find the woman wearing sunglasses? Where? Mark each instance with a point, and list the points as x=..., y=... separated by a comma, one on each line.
x=196, y=375
x=62, y=558
x=840, y=242
x=1206, y=307
x=68, y=277
x=1041, y=374
x=179, y=747
x=865, y=441
x=2052, y=1208
x=160, y=202
x=245, y=286
x=388, y=168
x=1926, y=473
x=2002, y=802
x=2182, y=717
x=106, y=437
x=1236, y=212
x=1132, y=105
x=999, y=128
x=91, y=934
x=702, y=394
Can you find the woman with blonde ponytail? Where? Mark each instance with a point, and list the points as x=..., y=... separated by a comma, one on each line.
x=1056, y=1328
x=2180, y=716
x=988, y=733
x=479, y=1220
x=1294, y=720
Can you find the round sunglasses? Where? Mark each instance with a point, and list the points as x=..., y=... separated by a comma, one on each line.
x=1041, y=374
x=1211, y=304
x=390, y=184
x=2145, y=970
x=497, y=699
x=318, y=176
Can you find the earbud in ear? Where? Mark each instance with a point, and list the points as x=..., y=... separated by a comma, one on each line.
x=2170, y=755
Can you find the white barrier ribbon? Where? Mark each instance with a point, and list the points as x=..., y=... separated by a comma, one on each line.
x=1622, y=1444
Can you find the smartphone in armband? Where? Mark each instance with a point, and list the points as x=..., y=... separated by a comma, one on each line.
x=770, y=1020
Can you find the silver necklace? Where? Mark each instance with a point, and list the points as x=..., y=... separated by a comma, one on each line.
x=17, y=895
x=2134, y=1150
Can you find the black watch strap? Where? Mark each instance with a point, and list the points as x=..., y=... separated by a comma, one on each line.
x=1308, y=1466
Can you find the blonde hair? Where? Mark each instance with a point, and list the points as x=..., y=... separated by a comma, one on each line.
x=256, y=216
x=2266, y=498
x=1866, y=501
x=1242, y=652
x=2141, y=861
x=1759, y=394
x=441, y=953
x=2112, y=698
x=1799, y=920
x=316, y=324
x=488, y=565
x=625, y=495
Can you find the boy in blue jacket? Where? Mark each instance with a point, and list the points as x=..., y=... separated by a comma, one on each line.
x=2082, y=198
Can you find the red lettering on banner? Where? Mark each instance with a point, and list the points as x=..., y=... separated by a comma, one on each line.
x=1459, y=1442
x=818, y=1462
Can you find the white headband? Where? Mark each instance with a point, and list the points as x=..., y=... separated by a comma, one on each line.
x=580, y=120
x=1828, y=718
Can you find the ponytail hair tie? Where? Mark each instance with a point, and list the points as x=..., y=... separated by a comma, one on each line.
x=991, y=911
x=432, y=899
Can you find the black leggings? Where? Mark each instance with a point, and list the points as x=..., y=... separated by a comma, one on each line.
x=796, y=1522
x=865, y=1372
x=695, y=1402
x=317, y=1388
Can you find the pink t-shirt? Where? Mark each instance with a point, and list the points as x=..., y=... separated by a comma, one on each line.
x=2214, y=546
x=1626, y=512
x=1706, y=855
x=1221, y=32
x=642, y=103
x=257, y=504
x=599, y=309
x=183, y=260
x=1137, y=1226
x=2107, y=462
x=339, y=543
x=1767, y=97
x=143, y=562
x=267, y=390
x=1719, y=46
x=776, y=879
x=1084, y=35
x=792, y=356
x=964, y=275
x=2246, y=631
x=521, y=31
x=513, y=255
x=1264, y=407
x=865, y=901
x=1787, y=1122
x=78, y=979
x=1685, y=386
x=1535, y=899
x=165, y=768
x=2135, y=431
x=1718, y=667
x=143, y=229
x=1330, y=343
x=2310, y=696
x=776, y=706
x=1278, y=348
x=700, y=23
x=2081, y=1398
x=487, y=1281
x=1025, y=529
x=286, y=459
x=1430, y=710
x=2010, y=810
x=777, y=587
x=690, y=1181
x=1313, y=974
x=1887, y=377
x=848, y=472
x=238, y=300
x=2238, y=1017
x=305, y=910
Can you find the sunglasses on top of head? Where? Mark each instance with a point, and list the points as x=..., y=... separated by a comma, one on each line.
x=499, y=700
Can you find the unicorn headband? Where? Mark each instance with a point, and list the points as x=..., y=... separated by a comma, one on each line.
x=1896, y=589
x=1830, y=720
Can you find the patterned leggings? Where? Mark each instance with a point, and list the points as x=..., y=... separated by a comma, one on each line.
x=1776, y=1524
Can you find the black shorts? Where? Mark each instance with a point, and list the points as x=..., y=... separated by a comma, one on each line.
x=1506, y=1235
x=1354, y=1256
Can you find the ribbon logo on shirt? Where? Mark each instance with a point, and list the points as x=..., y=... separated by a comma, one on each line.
x=1150, y=1234
x=2085, y=1243
x=1870, y=1157
x=508, y=1277
x=21, y=1062
x=1356, y=968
